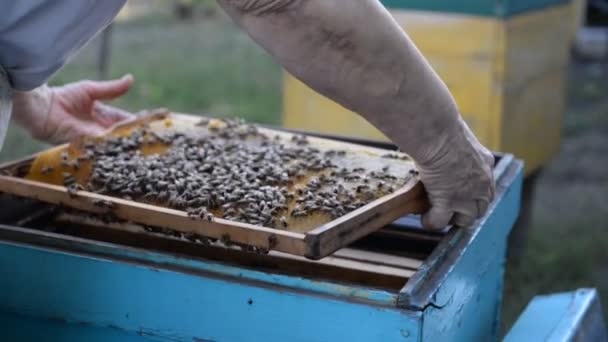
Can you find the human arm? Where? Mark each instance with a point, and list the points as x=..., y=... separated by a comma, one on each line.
x=37, y=37
x=60, y=114
x=354, y=53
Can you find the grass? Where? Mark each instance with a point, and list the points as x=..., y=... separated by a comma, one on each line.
x=200, y=66
x=207, y=66
x=210, y=66
x=567, y=246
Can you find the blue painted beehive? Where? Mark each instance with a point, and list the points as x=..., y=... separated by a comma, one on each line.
x=75, y=282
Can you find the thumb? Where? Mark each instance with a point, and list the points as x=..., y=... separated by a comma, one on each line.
x=107, y=116
x=108, y=90
x=436, y=218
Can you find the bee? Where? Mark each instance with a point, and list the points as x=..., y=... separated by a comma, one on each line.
x=327, y=209
x=351, y=207
x=149, y=195
x=192, y=213
x=298, y=213
x=73, y=189
x=283, y=221
x=301, y=174
x=68, y=179
x=103, y=203
x=300, y=140
x=362, y=188
x=89, y=154
x=352, y=177
x=47, y=169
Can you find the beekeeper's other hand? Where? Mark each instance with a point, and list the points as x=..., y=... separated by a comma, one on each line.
x=60, y=114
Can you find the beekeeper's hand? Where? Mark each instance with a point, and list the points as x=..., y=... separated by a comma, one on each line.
x=355, y=53
x=457, y=175
x=60, y=114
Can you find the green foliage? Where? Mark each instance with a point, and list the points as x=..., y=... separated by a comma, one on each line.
x=567, y=243
x=206, y=66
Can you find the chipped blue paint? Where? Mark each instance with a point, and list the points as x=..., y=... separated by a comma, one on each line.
x=421, y=288
x=154, y=260
x=20, y=328
x=179, y=306
x=570, y=316
x=460, y=285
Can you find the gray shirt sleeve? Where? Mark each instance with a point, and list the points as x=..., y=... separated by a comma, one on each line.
x=38, y=36
x=6, y=105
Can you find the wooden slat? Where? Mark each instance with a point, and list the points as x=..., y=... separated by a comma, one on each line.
x=362, y=260
x=315, y=244
x=361, y=272
x=378, y=258
x=352, y=265
x=365, y=220
x=157, y=216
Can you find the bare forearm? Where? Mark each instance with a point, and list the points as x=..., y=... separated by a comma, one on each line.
x=355, y=53
x=31, y=109
x=60, y=114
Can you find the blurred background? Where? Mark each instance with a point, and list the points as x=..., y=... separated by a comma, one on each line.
x=530, y=80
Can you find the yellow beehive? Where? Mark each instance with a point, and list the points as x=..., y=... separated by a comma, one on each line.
x=507, y=74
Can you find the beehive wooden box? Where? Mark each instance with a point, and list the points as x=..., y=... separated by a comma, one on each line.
x=504, y=62
x=401, y=284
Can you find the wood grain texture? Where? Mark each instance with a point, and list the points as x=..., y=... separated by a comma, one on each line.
x=348, y=265
x=363, y=221
x=314, y=237
x=156, y=216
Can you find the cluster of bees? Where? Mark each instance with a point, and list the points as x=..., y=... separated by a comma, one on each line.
x=234, y=172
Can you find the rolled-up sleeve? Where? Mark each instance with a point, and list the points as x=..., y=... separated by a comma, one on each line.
x=37, y=37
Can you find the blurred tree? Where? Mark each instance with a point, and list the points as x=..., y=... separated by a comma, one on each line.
x=103, y=59
x=187, y=9
x=184, y=9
